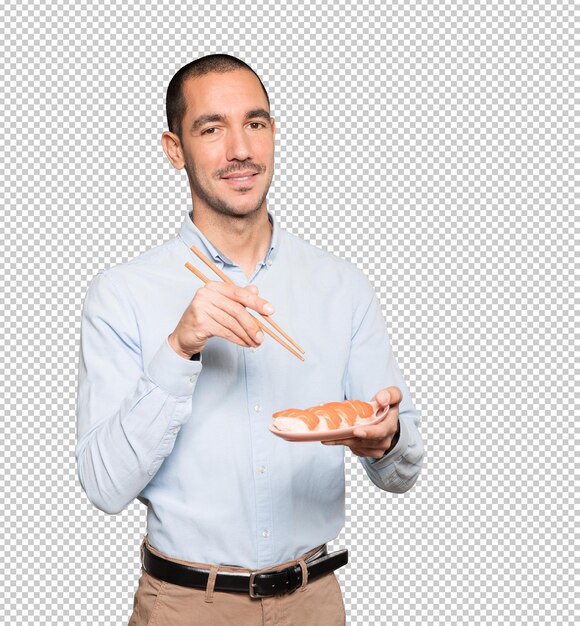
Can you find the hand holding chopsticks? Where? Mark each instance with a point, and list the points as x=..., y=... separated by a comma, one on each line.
x=220, y=310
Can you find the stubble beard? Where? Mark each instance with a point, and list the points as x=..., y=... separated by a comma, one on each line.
x=217, y=204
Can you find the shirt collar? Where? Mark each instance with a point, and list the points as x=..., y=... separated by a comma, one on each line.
x=190, y=234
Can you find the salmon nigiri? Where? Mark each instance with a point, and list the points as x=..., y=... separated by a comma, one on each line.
x=324, y=417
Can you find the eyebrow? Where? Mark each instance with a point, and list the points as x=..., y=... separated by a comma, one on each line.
x=217, y=117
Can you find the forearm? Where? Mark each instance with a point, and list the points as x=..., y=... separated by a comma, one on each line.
x=117, y=460
x=399, y=469
x=373, y=367
x=119, y=452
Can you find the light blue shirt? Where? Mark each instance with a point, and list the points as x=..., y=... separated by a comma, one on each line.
x=191, y=440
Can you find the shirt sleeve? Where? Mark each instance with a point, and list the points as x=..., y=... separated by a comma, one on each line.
x=372, y=366
x=128, y=413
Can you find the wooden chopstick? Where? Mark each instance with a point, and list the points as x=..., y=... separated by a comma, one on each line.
x=200, y=255
x=262, y=326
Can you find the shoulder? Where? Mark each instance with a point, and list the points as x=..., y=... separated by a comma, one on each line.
x=134, y=275
x=317, y=262
x=152, y=262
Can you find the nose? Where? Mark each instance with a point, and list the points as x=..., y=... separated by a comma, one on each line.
x=238, y=145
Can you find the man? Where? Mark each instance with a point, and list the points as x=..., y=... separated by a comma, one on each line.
x=177, y=384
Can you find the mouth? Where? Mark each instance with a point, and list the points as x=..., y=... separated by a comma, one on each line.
x=237, y=178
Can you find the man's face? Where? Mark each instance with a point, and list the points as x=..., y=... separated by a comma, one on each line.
x=227, y=138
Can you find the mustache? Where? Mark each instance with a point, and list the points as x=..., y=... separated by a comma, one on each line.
x=243, y=166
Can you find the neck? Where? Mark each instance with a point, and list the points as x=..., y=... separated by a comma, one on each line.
x=243, y=239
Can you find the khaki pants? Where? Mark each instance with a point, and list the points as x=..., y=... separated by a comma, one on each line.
x=158, y=603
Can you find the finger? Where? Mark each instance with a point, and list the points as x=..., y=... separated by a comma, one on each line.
x=386, y=428
x=373, y=453
x=394, y=395
x=228, y=327
x=357, y=449
x=246, y=296
x=382, y=397
x=354, y=441
x=342, y=442
x=232, y=318
x=239, y=317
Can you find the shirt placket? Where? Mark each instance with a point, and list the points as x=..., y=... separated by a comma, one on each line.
x=265, y=533
x=256, y=400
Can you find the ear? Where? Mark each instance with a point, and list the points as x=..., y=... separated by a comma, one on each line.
x=273, y=125
x=173, y=150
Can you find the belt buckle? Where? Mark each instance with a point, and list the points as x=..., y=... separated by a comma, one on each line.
x=292, y=581
x=253, y=594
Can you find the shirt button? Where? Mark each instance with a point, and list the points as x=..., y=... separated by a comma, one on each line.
x=262, y=469
x=192, y=379
x=252, y=349
x=265, y=533
x=269, y=263
x=257, y=408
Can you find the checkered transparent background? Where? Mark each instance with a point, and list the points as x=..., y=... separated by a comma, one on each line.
x=431, y=143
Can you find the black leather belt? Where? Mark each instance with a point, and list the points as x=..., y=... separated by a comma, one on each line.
x=257, y=584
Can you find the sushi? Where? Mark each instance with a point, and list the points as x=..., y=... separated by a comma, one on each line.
x=324, y=417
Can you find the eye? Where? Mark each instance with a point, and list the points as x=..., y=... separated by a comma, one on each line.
x=208, y=131
x=257, y=125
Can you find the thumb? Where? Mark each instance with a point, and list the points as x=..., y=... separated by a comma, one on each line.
x=382, y=397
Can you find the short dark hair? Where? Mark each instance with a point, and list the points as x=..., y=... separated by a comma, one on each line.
x=175, y=103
